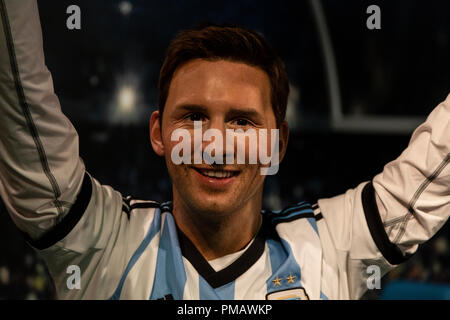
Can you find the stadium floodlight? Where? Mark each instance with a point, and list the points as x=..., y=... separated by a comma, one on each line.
x=127, y=105
x=127, y=99
x=125, y=7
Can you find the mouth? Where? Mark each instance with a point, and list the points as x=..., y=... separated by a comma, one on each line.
x=218, y=179
x=216, y=173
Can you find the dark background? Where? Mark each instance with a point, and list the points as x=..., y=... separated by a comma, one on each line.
x=402, y=70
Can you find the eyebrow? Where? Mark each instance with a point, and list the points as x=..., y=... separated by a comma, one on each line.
x=192, y=108
x=233, y=112
x=247, y=113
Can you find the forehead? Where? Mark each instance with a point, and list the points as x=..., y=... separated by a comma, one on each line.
x=219, y=83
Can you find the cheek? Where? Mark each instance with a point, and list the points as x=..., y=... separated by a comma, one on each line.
x=251, y=184
x=252, y=177
x=183, y=141
x=178, y=173
x=169, y=145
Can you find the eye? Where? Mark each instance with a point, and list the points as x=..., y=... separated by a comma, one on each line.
x=242, y=122
x=195, y=117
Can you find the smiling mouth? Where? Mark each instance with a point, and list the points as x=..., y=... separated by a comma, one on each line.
x=217, y=174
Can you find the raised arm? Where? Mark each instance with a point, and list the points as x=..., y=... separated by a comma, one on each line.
x=70, y=218
x=40, y=169
x=382, y=222
x=412, y=194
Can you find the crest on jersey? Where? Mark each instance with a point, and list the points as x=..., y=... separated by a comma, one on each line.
x=288, y=294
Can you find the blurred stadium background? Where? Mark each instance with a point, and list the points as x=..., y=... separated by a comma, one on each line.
x=356, y=96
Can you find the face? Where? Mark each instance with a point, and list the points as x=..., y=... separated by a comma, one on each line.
x=222, y=95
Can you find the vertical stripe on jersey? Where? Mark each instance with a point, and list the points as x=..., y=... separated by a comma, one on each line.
x=252, y=285
x=191, y=289
x=206, y=292
x=170, y=275
x=323, y=296
x=313, y=223
x=152, y=231
x=283, y=265
x=226, y=292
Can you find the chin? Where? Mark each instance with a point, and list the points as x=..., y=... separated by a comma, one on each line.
x=215, y=205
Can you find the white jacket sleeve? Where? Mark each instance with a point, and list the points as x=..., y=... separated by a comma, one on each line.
x=64, y=213
x=413, y=192
x=40, y=169
x=382, y=222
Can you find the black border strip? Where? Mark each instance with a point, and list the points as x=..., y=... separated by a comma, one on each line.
x=143, y=205
x=62, y=229
x=230, y=273
x=276, y=218
x=25, y=108
x=302, y=215
x=389, y=250
x=288, y=210
x=318, y=216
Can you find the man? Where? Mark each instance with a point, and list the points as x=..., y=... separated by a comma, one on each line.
x=213, y=241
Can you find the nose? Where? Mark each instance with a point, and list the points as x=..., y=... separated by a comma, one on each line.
x=215, y=142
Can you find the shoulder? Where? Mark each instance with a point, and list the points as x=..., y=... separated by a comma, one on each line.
x=294, y=222
x=301, y=210
x=133, y=207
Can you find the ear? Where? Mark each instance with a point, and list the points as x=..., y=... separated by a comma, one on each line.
x=156, y=133
x=284, y=138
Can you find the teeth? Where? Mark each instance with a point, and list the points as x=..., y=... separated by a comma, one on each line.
x=217, y=174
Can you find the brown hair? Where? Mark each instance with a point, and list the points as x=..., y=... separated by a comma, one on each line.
x=232, y=43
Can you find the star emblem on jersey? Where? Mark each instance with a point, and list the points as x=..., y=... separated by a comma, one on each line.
x=277, y=281
x=291, y=278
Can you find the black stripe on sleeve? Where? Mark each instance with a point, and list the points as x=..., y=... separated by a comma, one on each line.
x=144, y=205
x=318, y=216
x=62, y=229
x=389, y=250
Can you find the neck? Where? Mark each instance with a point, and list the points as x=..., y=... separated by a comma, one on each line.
x=216, y=235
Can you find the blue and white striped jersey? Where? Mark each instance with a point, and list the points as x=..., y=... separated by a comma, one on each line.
x=132, y=249
x=271, y=266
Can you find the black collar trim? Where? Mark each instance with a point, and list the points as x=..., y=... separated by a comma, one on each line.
x=230, y=273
